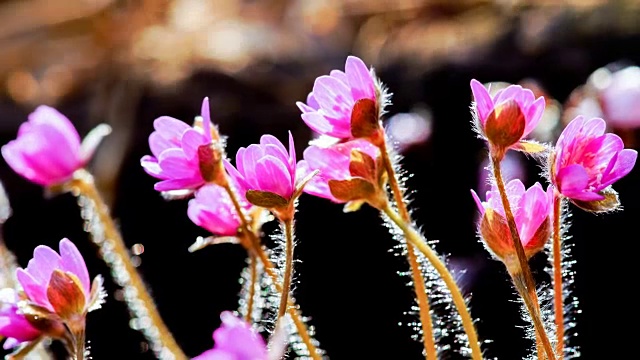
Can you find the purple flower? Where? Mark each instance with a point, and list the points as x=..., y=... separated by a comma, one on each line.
x=47, y=150
x=235, y=340
x=619, y=96
x=330, y=104
x=60, y=283
x=212, y=209
x=13, y=325
x=587, y=160
x=179, y=152
x=334, y=164
x=532, y=212
x=266, y=166
x=507, y=117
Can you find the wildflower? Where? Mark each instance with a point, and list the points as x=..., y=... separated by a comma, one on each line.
x=348, y=171
x=47, y=150
x=505, y=119
x=58, y=290
x=347, y=104
x=212, y=209
x=586, y=162
x=532, y=210
x=618, y=94
x=13, y=324
x=235, y=340
x=184, y=157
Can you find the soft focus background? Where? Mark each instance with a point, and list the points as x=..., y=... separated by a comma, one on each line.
x=127, y=62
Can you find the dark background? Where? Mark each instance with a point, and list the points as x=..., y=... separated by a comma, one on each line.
x=347, y=279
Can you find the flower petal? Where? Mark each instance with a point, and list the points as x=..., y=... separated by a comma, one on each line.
x=73, y=262
x=273, y=176
x=483, y=102
x=359, y=79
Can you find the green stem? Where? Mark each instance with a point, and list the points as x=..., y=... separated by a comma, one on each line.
x=288, y=267
x=520, y=269
x=558, y=294
x=416, y=240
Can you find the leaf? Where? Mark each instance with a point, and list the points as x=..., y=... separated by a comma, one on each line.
x=266, y=199
x=98, y=294
x=364, y=119
x=352, y=206
x=505, y=124
x=352, y=189
x=530, y=147
x=301, y=184
x=362, y=165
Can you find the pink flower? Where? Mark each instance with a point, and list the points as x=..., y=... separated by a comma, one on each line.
x=235, y=340
x=266, y=166
x=587, y=160
x=47, y=150
x=329, y=105
x=178, y=151
x=212, y=209
x=60, y=283
x=532, y=212
x=496, y=118
x=333, y=163
x=13, y=325
x=619, y=96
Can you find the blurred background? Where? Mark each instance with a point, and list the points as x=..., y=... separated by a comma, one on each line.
x=127, y=62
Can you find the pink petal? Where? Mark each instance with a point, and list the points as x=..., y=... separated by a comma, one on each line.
x=170, y=128
x=191, y=141
x=179, y=184
x=292, y=154
x=484, y=104
x=151, y=166
x=175, y=164
x=573, y=180
x=569, y=133
x=318, y=185
x=158, y=144
x=478, y=202
x=73, y=262
x=50, y=117
x=360, y=79
x=322, y=125
x=247, y=164
x=35, y=291
x=623, y=165
x=534, y=115
x=206, y=120
x=334, y=98
x=15, y=159
x=273, y=175
x=340, y=75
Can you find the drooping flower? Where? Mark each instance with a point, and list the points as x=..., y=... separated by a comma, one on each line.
x=47, y=150
x=13, y=325
x=266, y=168
x=586, y=161
x=508, y=117
x=330, y=106
x=532, y=209
x=212, y=209
x=58, y=288
x=184, y=157
x=235, y=340
x=353, y=160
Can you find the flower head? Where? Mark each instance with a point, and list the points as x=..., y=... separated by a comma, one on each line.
x=330, y=106
x=618, y=93
x=335, y=163
x=235, y=340
x=184, y=157
x=587, y=161
x=507, y=117
x=532, y=212
x=59, y=285
x=47, y=150
x=212, y=209
x=13, y=325
x=266, y=167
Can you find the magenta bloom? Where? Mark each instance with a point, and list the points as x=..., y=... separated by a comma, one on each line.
x=235, y=340
x=267, y=166
x=532, y=212
x=620, y=97
x=212, y=209
x=587, y=160
x=60, y=282
x=333, y=163
x=487, y=107
x=13, y=325
x=47, y=150
x=329, y=105
x=176, y=149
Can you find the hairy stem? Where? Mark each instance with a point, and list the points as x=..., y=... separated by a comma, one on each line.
x=521, y=268
x=428, y=337
x=253, y=263
x=269, y=268
x=558, y=293
x=288, y=268
x=105, y=234
x=417, y=240
x=79, y=339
